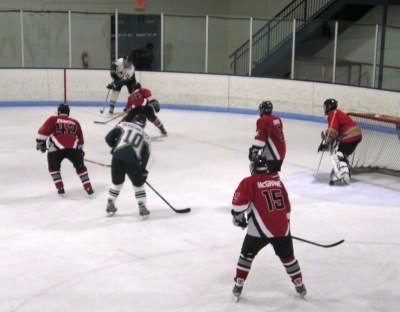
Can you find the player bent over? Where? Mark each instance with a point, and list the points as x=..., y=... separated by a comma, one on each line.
x=130, y=153
x=65, y=139
x=140, y=101
x=264, y=197
x=341, y=138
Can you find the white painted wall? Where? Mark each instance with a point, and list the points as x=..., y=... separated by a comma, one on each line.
x=288, y=96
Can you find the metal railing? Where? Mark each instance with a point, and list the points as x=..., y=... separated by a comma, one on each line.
x=275, y=33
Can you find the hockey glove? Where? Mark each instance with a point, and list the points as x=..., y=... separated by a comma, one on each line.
x=111, y=86
x=41, y=145
x=155, y=104
x=323, y=147
x=253, y=152
x=239, y=219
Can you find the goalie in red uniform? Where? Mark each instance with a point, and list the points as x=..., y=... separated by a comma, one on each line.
x=65, y=138
x=269, y=138
x=264, y=198
x=341, y=138
x=139, y=101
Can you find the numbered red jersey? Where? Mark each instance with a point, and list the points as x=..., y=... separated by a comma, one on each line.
x=62, y=131
x=270, y=136
x=138, y=98
x=268, y=201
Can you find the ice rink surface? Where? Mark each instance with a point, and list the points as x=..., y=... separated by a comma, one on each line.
x=64, y=254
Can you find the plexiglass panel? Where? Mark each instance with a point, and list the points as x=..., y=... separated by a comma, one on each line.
x=46, y=40
x=90, y=40
x=272, y=48
x=355, y=54
x=184, y=43
x=391, y=60
x=10, y=39
x=225, y=35
x=314, y=51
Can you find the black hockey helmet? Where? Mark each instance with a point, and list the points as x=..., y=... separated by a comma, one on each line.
x=260, y=164
x=265, y=108
x=329, y=104
x=63, y=108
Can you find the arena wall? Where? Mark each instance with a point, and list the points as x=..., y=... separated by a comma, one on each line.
x=296, y=99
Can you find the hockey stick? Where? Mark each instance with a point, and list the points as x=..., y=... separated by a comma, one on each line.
x=185, y=210
x=319, y=165
x=316, y=244
x=105, y=122
x=104, y=105
x=320, y=160
x=97, y=163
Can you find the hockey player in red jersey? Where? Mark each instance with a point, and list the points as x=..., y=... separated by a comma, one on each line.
x=65, y=140
x=269, y=138
x=140, y=102
x=264, y=198
x=341, y=138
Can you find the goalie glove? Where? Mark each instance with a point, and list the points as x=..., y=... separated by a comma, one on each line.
x=239, y=219
x=253, y=150
x=41, y=145
x=323, y=147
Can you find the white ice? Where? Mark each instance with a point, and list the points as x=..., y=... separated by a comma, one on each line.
x=64, y=254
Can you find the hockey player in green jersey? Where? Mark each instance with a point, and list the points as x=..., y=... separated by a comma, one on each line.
x=131, y=151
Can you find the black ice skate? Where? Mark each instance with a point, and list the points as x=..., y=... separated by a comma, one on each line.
x=61, y=192
x=90, y=192
x=163, y=132
x=143, y=212
x=340, y=182
x=111, y=209
x=300, y=287
x=111, y=111
x=237, y=289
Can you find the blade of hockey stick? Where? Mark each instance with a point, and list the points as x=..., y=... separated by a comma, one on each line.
x=107, y=121
x=184, y=210
x=316, y=244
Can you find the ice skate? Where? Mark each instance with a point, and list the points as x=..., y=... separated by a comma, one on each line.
x=340, y=182
x=61, y=192
x=143, y=212
x=111, y=209
x=237, y=289
x=163, y=132
x=90, y=192
x=300, y=287
x=111, y=110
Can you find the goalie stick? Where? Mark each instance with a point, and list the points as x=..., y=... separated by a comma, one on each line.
x=184, y=210
x=316, y=244
x=320, y=160
x=107, y=121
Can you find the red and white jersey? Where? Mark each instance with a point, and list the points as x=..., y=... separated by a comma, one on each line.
x=341, y=127
x=62, y=131
x=269, y=135
x=138, y=98
x=268, y=202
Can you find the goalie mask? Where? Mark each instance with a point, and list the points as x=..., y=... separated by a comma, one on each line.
x=63, y=109
x=329, y=105
x=260, y=164
x=265, y=108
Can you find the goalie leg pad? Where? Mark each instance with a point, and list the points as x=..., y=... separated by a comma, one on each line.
x=340, y=167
